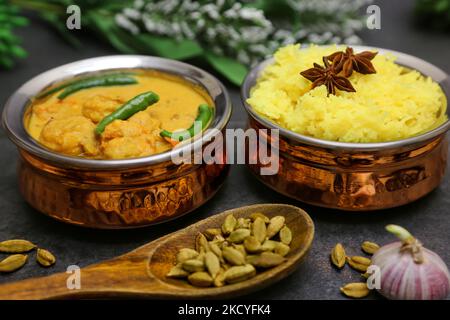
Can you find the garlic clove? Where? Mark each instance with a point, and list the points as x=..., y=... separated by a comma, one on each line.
x=410, y=271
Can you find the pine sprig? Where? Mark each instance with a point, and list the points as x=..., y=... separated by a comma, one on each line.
x=10, y=48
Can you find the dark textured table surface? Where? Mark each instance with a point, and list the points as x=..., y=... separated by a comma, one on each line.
x=427, y=218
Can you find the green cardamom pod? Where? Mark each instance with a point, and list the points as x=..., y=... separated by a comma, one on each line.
x=212, y=264
x=239, y=273
x=259, y=229
x=358, y=263
x=238, y=235
x=369, y=247
x=177, y=272
x=200, y=279
x=281, y=249
x=229, y=224
x=16, y=246
x=212, y=233
x=355, y=290
x=45, y=258
x=338, y=255
x=286, y=235
x=193, y=265
x=233, y=256
x=252, y=244
x=275, y=225
x=201, y=243
x=268, y=260
x=255, y=215
x=13, y=262
x=186, y=254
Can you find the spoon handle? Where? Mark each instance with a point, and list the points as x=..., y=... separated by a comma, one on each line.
x=121, y=277
x=53, y=286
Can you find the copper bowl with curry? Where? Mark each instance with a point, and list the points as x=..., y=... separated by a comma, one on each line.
x=349, y=176
x=91, y=146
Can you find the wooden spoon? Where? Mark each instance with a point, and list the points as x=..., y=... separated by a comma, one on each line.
x=141, y=273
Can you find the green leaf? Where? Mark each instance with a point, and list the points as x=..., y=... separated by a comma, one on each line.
x=170, y=48
x=230, y=68
x=442, y=6
x=6, y=62
x=60, y=27
x=106, y=27
x=264, y=5
x=18, y=52
x=19, y=21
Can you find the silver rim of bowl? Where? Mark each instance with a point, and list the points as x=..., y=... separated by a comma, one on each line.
x=15, y=107
x=403, y=59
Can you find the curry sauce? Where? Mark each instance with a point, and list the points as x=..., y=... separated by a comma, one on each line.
x=68, y=125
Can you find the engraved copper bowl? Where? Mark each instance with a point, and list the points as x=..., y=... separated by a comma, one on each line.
x=113, y=194
x=354, y=176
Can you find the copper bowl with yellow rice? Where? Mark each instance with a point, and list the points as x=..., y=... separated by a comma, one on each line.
x=119, y=183
x=354, y=176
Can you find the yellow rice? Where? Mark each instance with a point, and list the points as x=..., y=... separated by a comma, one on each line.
x=392, y=104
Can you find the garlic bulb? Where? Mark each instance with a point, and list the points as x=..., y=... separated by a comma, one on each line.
x=409, y=271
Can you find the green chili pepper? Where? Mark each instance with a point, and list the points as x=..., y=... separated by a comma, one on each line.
x=99, y=82
x=138, y=103
x=122, y=79
x=203, y=116
x=51, y=91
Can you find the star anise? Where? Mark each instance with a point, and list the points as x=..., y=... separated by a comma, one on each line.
x=328, y=76
x=347, y=61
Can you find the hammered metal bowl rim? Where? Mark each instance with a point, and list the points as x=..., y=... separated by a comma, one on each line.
x=403, y=59
x=15, y=106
